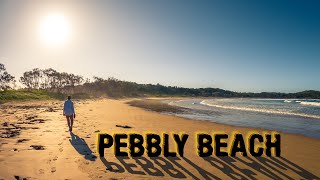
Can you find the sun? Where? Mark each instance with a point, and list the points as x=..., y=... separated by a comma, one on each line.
x=55, y=29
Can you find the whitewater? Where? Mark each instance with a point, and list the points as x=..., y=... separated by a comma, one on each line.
x=297, y=116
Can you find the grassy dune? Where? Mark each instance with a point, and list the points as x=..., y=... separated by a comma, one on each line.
x=16, y=95
x=11, y=95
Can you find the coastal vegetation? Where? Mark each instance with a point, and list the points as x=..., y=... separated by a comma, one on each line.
x=49, y=83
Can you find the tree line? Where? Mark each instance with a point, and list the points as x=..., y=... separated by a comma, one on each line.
x=49, y=79
x=40, y=79
x=68, y=83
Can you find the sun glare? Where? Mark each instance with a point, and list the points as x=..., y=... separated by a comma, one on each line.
x=55, y=30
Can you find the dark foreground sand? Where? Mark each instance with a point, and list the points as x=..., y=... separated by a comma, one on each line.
x=35, y=144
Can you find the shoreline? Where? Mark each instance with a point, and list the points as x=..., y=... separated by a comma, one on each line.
x=171, y=110
x=74, y=156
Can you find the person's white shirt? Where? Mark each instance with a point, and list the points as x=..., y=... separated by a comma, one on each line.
x=68, y=108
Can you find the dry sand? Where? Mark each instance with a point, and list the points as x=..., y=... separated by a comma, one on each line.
x=35, y=144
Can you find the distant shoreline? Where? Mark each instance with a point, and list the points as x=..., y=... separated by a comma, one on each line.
x=58, y=84
x=24, y=94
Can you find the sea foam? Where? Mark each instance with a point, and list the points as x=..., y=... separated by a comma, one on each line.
x=262, y=110
x=310, y=103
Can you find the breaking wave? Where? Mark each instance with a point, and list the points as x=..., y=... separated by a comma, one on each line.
x=310, y=103
x=264, y=110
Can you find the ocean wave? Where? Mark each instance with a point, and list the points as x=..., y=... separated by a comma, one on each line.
x=310, y=103
x=287, y=101
x=261, y=110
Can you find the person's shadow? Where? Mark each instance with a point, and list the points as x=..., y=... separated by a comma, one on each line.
x=82, y=147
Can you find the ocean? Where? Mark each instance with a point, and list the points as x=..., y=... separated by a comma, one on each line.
x=296, y=116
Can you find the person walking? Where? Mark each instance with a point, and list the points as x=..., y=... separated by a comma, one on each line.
x=68, y=111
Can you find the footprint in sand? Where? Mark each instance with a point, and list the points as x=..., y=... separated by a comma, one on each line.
x=88, y=136
x=41, y=171
x=55, y=158
x=60, y=149
x=53, y=169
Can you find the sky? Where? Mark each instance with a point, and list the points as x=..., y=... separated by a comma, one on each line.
x=245, y=46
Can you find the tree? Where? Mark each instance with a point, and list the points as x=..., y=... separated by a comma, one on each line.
x=6, y=79
x=50, y=78
x=74, y=80
x=32, y=79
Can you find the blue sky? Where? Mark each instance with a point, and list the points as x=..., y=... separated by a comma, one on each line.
x=236, y=45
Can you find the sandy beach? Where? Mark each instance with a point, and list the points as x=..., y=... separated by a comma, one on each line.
x=35, y=144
